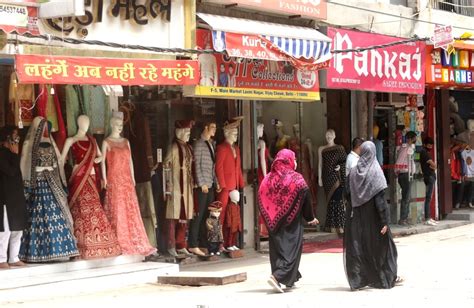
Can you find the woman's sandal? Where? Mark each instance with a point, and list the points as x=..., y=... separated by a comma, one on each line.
x=399, y=280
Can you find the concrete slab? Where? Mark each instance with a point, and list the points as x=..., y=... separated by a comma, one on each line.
x=203, y=278
x=461, y=214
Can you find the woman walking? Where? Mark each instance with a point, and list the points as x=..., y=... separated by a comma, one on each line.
x=284, y=200
x=370, y=255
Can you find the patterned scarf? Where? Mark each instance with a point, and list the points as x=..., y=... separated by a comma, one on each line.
x=281, y=192
x=367, y=178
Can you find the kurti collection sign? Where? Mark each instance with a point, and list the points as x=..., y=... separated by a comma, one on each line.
x=305, y=8
x=104, y=71
x=398, y=68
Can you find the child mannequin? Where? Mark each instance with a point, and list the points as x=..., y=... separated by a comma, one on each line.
x=233, y=221
x=214, y=228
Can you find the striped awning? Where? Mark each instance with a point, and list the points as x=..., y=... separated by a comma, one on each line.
x=269, y=41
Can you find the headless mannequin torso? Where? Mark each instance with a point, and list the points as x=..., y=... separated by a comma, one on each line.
x=262, y=147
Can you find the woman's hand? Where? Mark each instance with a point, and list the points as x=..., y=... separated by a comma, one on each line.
x=384, y=230
x=313, y=222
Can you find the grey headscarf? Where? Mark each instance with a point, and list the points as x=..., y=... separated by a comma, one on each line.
x=367, y=178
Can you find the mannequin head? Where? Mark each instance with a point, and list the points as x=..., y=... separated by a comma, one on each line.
x=231, y=135
x=330, y=136
x=83, y=123
x=209, y=130
x=234, y=196
x=296, y=130
x=260, y=127
x=279, y=128
x=117, y=125
x=215, y=209
x=231, y=130
x=375, y=131
x=470, y=125
x=183, y=134
x=453, y=105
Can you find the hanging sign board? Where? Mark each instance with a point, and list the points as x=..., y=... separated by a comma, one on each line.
x=443, y=36
x=314, y=9
x=222, y=76
x=104, y=71
x=398, y=68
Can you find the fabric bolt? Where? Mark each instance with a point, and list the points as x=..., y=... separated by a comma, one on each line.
x=95, y=236
x=147, y=210
x=10, y=241
x=121, y=203
x=11, y=191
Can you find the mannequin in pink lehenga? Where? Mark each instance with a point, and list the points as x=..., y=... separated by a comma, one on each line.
x=121, y=203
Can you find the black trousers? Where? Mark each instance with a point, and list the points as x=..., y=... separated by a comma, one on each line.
x=197, y=223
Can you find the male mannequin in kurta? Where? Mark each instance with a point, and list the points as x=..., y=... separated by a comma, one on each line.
x=179, y=188
x=228, y=167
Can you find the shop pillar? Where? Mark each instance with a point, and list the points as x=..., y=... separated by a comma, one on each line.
x=445, y=189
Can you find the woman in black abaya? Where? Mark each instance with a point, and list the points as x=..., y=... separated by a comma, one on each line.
x=370, y=254
x=284, y=201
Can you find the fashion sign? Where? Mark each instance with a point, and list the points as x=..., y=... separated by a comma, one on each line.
x=104, y=71
x=222, y=76
x=398, y=68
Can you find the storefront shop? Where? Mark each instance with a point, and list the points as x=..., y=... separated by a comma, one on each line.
x=260, y=81
x=387, y=87
x=75, y=92
x=450, y=80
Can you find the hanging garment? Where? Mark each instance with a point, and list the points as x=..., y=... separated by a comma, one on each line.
x=95, y=236
x=97, y=109
x=48, y=106
x=121, y=203
x=73, y=108
x=20, y=96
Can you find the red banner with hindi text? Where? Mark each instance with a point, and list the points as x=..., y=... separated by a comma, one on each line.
x=105, y=71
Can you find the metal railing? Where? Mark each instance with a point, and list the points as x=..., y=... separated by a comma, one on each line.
x=462, y=7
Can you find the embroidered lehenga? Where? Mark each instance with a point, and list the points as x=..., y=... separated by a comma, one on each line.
x=95, y=236
x=49, y=235
x=121, y=203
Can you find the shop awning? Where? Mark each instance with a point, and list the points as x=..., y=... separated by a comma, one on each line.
x=304, y=47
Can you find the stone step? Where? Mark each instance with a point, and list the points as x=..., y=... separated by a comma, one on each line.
x=37, y=274
x=461, y=214
x=203, y=278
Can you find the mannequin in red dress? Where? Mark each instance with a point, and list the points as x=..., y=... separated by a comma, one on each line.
x=228, y=168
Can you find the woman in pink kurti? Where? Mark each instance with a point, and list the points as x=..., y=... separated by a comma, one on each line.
x=121, y=203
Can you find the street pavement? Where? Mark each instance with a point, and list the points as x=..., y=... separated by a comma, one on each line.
x=437, y=268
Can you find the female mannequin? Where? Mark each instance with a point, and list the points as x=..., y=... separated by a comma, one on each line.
x=281, y=140
x=94, y=234
x=121, y=203
x=49, y=233
x=263, y=158
x=332, y=173
x=263, y=154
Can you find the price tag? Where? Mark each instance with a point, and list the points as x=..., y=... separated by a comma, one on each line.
x=159, y=156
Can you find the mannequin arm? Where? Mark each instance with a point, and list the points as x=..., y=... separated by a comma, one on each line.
x=67, y=146
x=263, y=163
x=320, y=167
x=102, y=164
x=132, y=172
